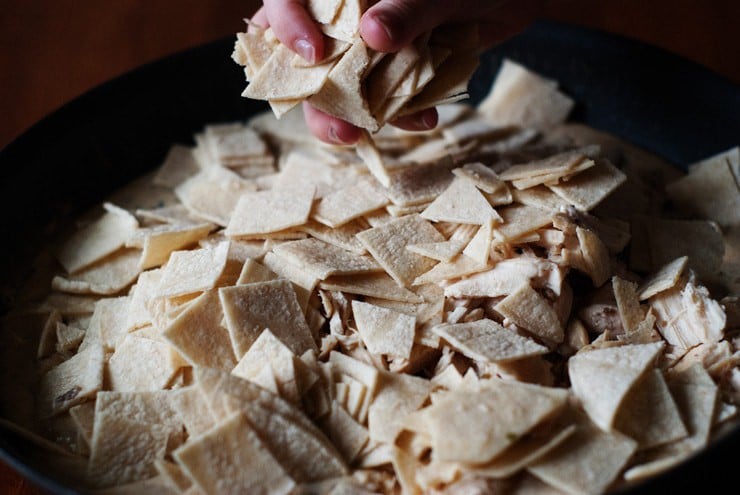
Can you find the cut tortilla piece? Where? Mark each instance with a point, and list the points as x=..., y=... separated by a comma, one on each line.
x=444, y=251
x=343, y=237
x=484, y=179
x=101, y=238
x=377, y=285
x=324, y=260
x=249, y=309
x=178, y=165
x=387, y=244
x=265, y=212
x=198, y=335
x=418, y=184
x=461, y=202
x=555, y=166
x=107, y=323
x=371, y=157
x=324, y=11
x=602, y=378
x=192, y=409
x=475, y=428
x=383, y=330
x=649, y=414
x=347, y=434
x=589, y=188
x=213, y=193
x=385, y=77
x=527, y=309
x=349, y=203
x=397, y=395
x=521, y=97
x=665, y=278
x=507, y=276
x=630, y=313
x=108, y=276
x=459, y=267
x=160, y=242
x=140, y=364
x=519, y=220
x=189, y=272
x=588, y=461
x=231, y=459
x=487, y=341
x=72, y=382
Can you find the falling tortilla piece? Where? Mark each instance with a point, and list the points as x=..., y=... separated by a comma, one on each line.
x=487, y=341
x=231, y=459
x=602, y=378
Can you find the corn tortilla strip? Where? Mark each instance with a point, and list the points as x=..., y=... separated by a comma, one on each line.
x=94, y=242
x=449, y=85
x=198, y=336
x=397, y=396
x=159, y=243
x=349, y=203
x=188, y=272
x=303, y=281
x=383, y=330
x=540, y=197
x=124, y=450
x=342, y=95
x=279, y=79
x=588, y=461
x=231, y=459
x=665, y=278
x=140, y=364
x=264, y=212
x=141, y=407
x=324, y=260
x=72, y=382
x=602, y=378
x=377, y=285
x=589, y=188
x=519, y=220
x=649, y=414
x=625, y=293
x=137, y=314
x=232, y=143
x=555, y=177
x=213, y=193
x=83, y=416
x=475, y=428
x=461, y=202
x=387, y=244
x=527, y=309
x=249, y=309
x=108, y=276
x=487, y=341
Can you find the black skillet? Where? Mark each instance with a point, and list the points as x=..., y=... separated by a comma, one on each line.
x=76, y=156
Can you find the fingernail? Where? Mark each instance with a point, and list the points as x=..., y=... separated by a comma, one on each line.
x=305, y=49
x=429, y=120
x=382, y=21
x=333, y=136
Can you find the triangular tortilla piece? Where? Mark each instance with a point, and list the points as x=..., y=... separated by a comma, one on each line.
x=602, y=378
x=521, y=97
x=484, y=178
x=519, y=220
x=253, y=271
x=711, y=190
x=449, y=85
x=341, y=95
x=269, y=352
x=230, y=458
x=279, y=79
x=479, y=247
x=589, y=188
x=349, y=203
x=137, y=314
x=124, y=450
x=371, y=157
x=461, y=202
x=588, y=461
x=474, y=428
x=527, y=309
x=249, y=309
x=264, y=212
x=508, y=275
x=554, y=177
x=649, y=414
x=324, y=260
x=198, y=336
x=71, y=382
x=397, y=396
x=595, y=256
x=104, y=236
x=140, y=364
x=188, y=272
x=107, y=321
x=213, y=193
x=540, y=197
x=387, y=244
x=346, y=23
x=108, y=276
x=383, y=330
x=377, y=285
x=487, y=341
x=665, y=278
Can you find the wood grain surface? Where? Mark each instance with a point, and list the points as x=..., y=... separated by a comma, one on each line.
x=54, y=50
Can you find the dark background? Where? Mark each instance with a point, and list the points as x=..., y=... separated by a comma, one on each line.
x=54, y=50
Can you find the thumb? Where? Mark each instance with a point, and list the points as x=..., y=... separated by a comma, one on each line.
x=390, y=25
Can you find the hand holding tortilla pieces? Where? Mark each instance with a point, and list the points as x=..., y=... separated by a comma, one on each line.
x=388, y=26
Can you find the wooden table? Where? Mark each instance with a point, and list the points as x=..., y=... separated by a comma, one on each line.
x=54, y=50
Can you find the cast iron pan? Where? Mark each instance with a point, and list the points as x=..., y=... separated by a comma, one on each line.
x=75, y=157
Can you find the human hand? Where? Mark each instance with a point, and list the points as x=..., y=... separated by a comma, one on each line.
x=388, y=26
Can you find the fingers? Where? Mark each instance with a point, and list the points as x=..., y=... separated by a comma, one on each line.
x=260, y=19
x=294, y=28
x=329, y=129
x=423, y=120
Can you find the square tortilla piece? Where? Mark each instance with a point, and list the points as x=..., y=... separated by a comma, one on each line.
x=265, y=212
x=383, y=330
x=324, y=260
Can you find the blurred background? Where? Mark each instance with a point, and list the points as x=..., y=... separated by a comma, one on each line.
x=54, y=50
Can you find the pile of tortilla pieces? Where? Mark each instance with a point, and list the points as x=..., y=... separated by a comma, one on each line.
x=527, y=306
